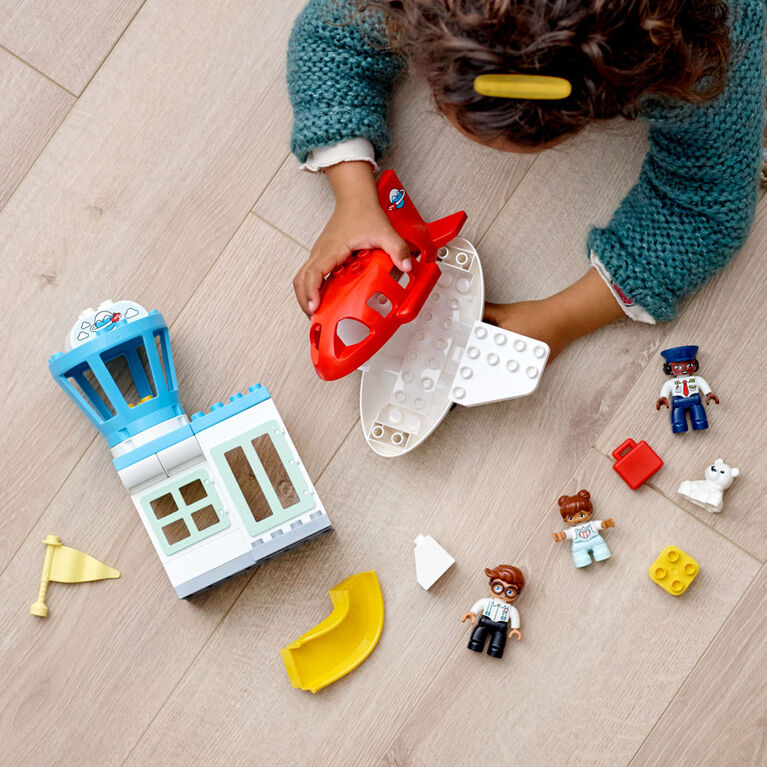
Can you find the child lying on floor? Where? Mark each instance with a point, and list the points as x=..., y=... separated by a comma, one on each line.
x=694, y=69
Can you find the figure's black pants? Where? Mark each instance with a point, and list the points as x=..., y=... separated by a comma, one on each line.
x=497, y=631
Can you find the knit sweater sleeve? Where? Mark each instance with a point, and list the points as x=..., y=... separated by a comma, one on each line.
x=694, y=203
x=340, y=76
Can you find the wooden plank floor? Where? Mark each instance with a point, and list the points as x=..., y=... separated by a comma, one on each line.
x=144, y=148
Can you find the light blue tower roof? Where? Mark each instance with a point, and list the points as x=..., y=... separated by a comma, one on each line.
x=120, y=371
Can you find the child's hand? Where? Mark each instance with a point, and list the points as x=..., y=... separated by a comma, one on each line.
x=608, y=523
x=358, y=222
x=559, y=537
x=354, y=225
x=558, y=320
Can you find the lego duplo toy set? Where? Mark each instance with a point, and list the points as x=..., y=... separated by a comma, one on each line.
x=223, y=490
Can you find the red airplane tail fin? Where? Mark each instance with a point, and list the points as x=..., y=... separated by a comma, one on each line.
x=445, y=229
x=407, y=221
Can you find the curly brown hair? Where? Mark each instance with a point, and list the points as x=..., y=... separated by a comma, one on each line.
x=572, y=504
x=614, y=52
x=508, y=574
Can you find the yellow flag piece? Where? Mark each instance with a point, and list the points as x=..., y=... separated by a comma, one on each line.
x=66, y=565
x=72, y=566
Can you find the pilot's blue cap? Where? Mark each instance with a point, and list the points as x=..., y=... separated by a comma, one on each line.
x=679, y=353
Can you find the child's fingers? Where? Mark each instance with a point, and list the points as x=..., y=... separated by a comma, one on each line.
x=398, y=251
x=313, y=275
x=308, y=296
x=308, y=281
x=299, y=283
x=301, y=297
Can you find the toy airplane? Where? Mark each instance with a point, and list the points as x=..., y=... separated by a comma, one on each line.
x=417, y=337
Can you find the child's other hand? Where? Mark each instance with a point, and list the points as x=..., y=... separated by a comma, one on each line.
x=358, y=222
x=558, y=320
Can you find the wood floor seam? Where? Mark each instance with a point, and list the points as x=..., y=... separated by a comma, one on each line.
x=280, y=231
x=42, y=149
x=38, y=71
x=266, y=189
x=112, y=47
x=45, y=509
x=191, y=663
x=506, y=202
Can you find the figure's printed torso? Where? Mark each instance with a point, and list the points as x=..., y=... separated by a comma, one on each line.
x=685, y=387
x=498, y=611
x=586, y=535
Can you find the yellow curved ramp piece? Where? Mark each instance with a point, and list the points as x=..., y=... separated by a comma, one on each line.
x=523, y=86
x=343, y=640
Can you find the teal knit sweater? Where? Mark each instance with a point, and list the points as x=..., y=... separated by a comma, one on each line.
x=688, y=214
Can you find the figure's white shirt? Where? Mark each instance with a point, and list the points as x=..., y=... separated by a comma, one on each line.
x=497, y=610
x=674, y=387
x=585, y=531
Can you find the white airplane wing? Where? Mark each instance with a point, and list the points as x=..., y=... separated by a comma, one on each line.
x=497, y=364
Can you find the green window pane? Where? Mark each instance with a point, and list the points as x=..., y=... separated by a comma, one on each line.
x=275, y=470
x=250, y=487
x=163, y=506
x=175, y=531
x=184, y=510
x=193, y=492
x=205, y=518
x=263, y=477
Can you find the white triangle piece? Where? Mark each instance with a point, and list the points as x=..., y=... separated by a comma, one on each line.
x=431, y=561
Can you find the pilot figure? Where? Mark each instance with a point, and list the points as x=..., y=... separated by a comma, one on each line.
x=682, y=392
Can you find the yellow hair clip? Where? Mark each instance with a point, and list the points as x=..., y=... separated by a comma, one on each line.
x=537, y=87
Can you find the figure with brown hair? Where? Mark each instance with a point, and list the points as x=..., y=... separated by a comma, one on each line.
x=498, y=618
x=577, y=511
x=693, y=70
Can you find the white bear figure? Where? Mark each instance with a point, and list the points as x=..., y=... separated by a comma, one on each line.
x=708, y=493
